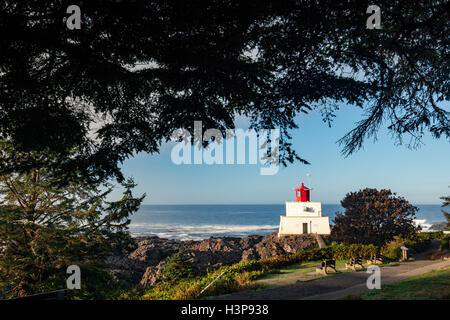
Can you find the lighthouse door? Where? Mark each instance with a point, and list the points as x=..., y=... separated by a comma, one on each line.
x=305, y=228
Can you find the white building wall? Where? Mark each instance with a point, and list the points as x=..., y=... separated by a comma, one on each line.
x=294, y=225
x=308, y=209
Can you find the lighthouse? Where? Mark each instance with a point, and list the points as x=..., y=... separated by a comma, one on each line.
x=303, y=216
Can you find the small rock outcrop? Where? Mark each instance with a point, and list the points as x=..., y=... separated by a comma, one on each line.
x=438, y=226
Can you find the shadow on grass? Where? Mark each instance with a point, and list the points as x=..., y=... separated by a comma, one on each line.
x=300, y=272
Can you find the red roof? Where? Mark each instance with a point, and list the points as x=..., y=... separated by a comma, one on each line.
x=302, y=187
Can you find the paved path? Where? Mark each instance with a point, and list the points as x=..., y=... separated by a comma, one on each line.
x=339, y=285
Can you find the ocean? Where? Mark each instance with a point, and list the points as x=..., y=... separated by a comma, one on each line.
x=196, y=222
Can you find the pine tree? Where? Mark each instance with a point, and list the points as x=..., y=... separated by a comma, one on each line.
x=446, y=203
x=46, y=225
x=146, y=68
x=177, y=267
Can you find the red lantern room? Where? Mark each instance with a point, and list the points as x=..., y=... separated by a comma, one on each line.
x=302, y=194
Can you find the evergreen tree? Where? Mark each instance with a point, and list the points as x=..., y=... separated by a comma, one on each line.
x=446, y=203
x=177, y=267
x=137, y=70
x=45, y=226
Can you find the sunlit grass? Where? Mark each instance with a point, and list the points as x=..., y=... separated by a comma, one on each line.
x=433, y=285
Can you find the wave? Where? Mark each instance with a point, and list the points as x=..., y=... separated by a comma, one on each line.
x=198, y=232
x=424, y=224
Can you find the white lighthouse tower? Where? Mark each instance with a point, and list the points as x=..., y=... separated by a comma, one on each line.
x=303, y=216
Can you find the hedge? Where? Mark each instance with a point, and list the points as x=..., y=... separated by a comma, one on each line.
x=445, y=242
x=421, y=242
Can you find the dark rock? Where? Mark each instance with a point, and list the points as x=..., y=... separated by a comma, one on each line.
x=152, y=275
x=249, y=242
x=438, y=226
x=271, y=245
x=249, y=254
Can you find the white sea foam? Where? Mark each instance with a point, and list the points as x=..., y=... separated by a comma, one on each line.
x=198, y=232
x=424, y=224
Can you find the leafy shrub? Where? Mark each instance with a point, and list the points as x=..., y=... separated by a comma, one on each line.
x=419, y=243
x=445, y=242
x=346, y=252
x=392, y=250
x=188, y=292
x=133, y=294
x=373, y=217
x=430, y=235
x=162, y=291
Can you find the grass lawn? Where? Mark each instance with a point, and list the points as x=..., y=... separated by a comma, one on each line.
x=304, y=267
x=433, y=285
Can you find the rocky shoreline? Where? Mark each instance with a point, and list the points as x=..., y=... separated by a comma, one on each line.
x=141, y=268
x=438, y=226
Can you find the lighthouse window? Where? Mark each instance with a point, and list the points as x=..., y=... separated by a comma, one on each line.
x=298, y=193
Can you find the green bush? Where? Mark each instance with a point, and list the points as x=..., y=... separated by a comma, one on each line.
x=430, y=235
x=177, y=268
x=392, y=250
x=419, y=243
x=445, y=242
x=341, y=251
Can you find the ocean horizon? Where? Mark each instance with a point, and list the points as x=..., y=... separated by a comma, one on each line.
x=197, y=222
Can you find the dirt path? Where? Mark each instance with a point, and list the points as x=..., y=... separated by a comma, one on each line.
x=339, y=285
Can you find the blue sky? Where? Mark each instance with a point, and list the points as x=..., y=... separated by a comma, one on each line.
x=421, y=175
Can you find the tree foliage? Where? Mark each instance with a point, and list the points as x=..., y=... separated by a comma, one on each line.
x=137, y=70
x=373, y=217
x=177, y=267
x=45, y=228
x=445, y=203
